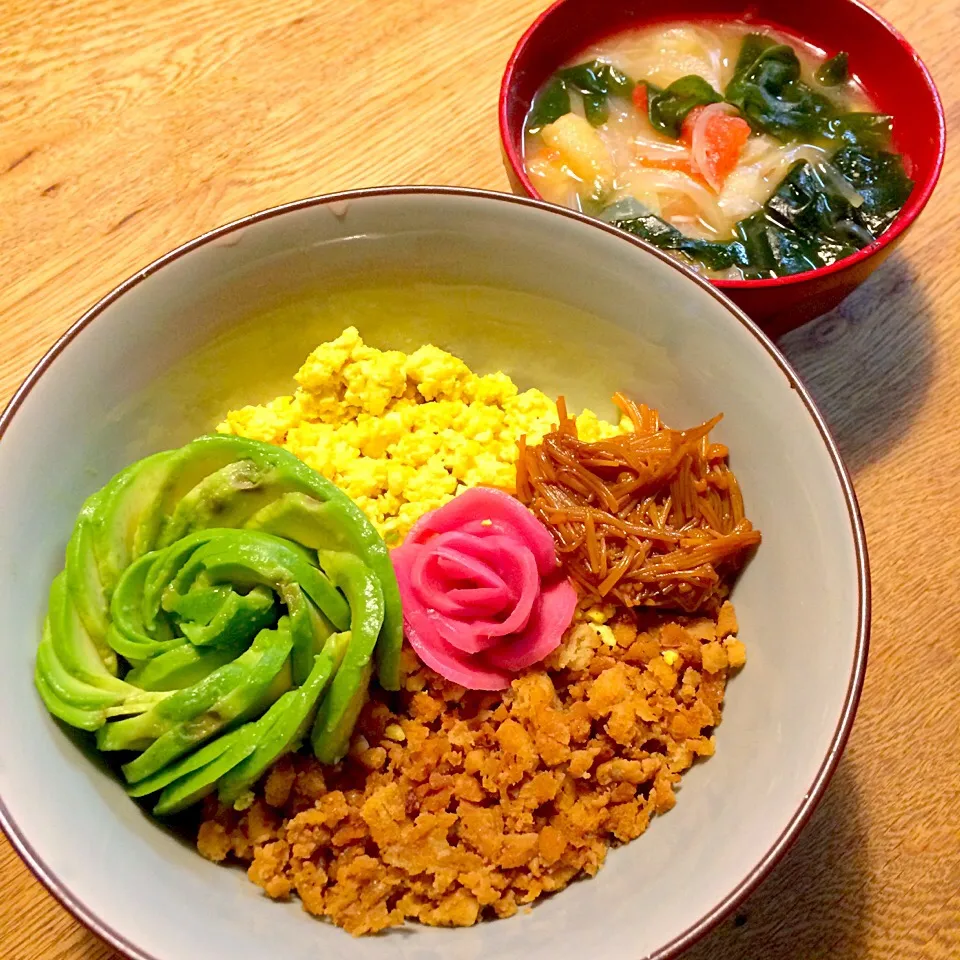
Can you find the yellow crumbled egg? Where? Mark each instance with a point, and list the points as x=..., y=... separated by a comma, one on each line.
x=393, y=731
x=605, y=634
x=601, y=614
x=403, y=433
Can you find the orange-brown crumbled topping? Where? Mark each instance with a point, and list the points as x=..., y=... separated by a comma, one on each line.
x=454, y=805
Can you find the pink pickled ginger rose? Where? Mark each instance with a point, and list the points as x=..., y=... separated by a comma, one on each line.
x=483, y=596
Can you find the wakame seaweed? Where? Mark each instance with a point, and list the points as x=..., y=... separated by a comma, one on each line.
x=809, y=222
x=834, y=71
x=713, y=255
x=766, y=88
x=551, y=104
x=668, y=108
x=880, y=178
x=871, y=130
x=594, y=81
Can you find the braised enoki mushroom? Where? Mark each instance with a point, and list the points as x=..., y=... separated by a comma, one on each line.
x=653, y=517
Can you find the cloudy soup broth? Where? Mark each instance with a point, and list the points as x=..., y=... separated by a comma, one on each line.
x=685, y=134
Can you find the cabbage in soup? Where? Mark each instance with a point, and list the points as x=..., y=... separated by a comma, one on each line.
x=738, y=149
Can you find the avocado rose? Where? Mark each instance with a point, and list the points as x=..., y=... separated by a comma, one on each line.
x=219, y=604
x=483, y=595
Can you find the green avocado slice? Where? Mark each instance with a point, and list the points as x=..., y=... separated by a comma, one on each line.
x=290, y=719
x=83, y=705
x=136, y=633
x=66, y=696
x=79, y=717
x=85, y=585
x=264, y=677
x=222, y=499
x=182, y=667
x=139, y=732
x=205, y=707
x=198, y=760
x=350, y=687
x=241, y=616
x=282, y=473
x=165, y=570
x=128, y=515
x=153, y=576
x=75, y=649
x=200, y=604
x=317, y=525
x=67, y=688
x=192, y=786
x=188, y=764
x=246, y=558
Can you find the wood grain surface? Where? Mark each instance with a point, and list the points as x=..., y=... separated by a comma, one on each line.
x=129, y=127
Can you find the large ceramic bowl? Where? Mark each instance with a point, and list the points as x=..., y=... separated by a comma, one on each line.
x=584, y=311
x=886, y=64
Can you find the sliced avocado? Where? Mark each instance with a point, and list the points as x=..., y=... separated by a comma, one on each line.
x=350, y=687
x=143, y=701
x=288, y=722
x=84, y=583
x=195, y=462
x=200, y=604
x=194, y=786
x=309, y=628
x=249, y=557
x=74, y=696
x=186, y=703
x=134, y=634
x=316, y=524
x=74, y=647
x=310, y=522
x=284, y=473
x=182, y=667
x=256, y=688
x=242, y=616
x=67, y=688
x=334, y=724
x=222, y=499
x=73, y=700
x=166, y=568
x=82, y=719
x=190, y=763
x=128, y=515
x=223, y=480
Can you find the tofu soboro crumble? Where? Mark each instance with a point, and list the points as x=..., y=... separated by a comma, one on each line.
x=454, y=805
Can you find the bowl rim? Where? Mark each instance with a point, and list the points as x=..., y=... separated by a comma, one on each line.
x=728, y=902
x=918, y=199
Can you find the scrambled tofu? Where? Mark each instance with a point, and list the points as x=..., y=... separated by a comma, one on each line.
x=399, y=433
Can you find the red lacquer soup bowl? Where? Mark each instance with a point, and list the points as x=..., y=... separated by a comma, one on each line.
x=884, y=62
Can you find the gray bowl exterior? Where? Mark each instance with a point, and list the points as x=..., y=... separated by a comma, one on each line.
x=159, y=361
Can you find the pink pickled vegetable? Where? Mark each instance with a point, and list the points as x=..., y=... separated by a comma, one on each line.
x=483, y=596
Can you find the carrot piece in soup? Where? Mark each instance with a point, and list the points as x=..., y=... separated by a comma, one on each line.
x=722, y=137
x=689, y=122
x=683, y=164
x=726, y=138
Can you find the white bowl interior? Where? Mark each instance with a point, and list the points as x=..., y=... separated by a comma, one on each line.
x=580, y=312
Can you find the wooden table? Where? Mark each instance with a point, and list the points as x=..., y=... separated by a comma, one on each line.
x=128, y=128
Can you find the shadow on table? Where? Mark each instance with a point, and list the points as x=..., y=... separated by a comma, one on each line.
x=812, y=905
x=869, y=363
